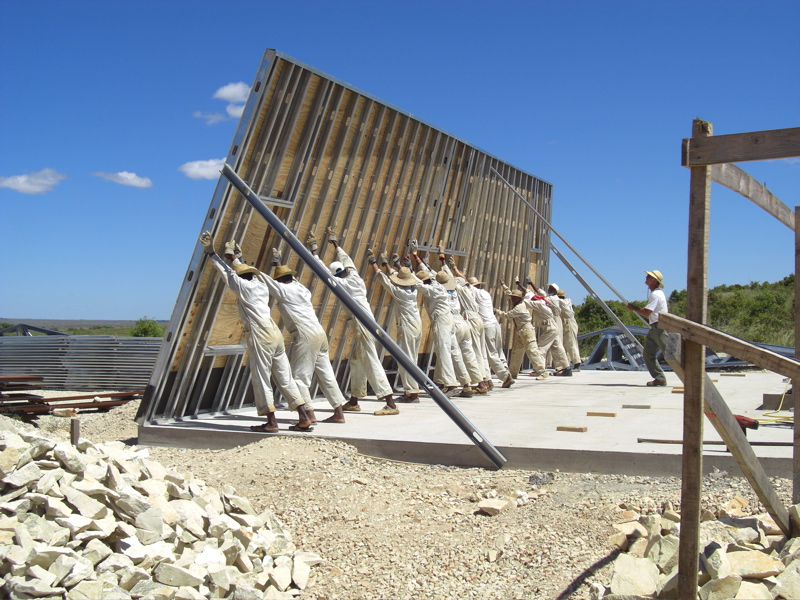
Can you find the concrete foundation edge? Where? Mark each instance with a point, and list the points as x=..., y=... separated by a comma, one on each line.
x=468, y=455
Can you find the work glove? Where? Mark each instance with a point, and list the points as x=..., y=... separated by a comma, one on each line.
x=413, y=246
x=516, y=281
x=498, y=312
x=233, y=250
x=384, y=258
x=395, y=260
x=406, y=262
x=506, y=289
x=371, y=256
x=208, y=242
x=276, y=257
x=332, y=235
x=311, y=241
x=451, y=262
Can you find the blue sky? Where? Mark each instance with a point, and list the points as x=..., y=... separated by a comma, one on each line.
x=110, y=110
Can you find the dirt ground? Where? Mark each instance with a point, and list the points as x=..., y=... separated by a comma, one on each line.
x=397, y=530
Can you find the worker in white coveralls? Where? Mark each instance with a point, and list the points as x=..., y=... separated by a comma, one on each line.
x=469, y=312
x=436, y=301
x=492, y=333
x=549, y=340
x=401, y=285
x=524, y=335
x=554, y=305
x=265, y=349
x=570, y=326
x=308, y=353
x=365, y=365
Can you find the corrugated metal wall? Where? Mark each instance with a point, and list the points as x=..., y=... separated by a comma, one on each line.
x=323, y=153
x=81, y=362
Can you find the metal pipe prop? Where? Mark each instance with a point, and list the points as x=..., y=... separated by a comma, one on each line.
x=563, y=239
x=366, y=319
x=611, y=314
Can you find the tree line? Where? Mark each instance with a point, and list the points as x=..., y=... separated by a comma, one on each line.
x=756, y=312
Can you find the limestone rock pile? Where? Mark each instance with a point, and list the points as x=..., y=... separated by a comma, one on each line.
x=104, y=521
x=742, y=556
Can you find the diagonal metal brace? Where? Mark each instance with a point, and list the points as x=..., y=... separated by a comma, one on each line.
x=366, y=319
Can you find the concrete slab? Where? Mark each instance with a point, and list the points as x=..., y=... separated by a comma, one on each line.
x=526, y=423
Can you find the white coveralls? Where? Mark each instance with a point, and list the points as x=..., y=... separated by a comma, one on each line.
x=493, y=335
x=555, y=307
x=548, y=332
x=365, y=364
x=466, y=363
x=436, y=301
x=308, y=353
x=570, y=330
x=409, y=326
x=265, y=349
x=469, y=310
x=524, y=340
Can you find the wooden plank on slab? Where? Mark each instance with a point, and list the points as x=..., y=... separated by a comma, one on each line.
x=600, y=414
x=572, y=428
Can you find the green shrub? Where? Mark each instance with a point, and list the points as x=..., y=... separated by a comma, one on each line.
x=146, y=327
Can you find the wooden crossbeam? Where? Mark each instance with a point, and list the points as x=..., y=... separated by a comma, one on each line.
x=703, y=334
x=741, y=147
x=721, y=417
x=737, y=180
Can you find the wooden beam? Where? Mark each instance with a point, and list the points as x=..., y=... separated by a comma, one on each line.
x=720, y=416
x=741, y=147
x=694, y=356
x=734, y=178
x=796, y=455
x=718, y=340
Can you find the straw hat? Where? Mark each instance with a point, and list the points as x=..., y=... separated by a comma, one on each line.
x=516, y=294
x=282, y=271
x=403, y=277
x=561, y=293
x=446, y=280
x=657, y=276
x=242, y=269
x=423, y=275
x=474, y=281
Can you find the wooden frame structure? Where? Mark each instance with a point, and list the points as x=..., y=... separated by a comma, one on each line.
x=321, y=152
x=709, y=158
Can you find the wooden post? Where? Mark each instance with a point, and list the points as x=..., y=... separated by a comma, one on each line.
x=694, y=368
x=74, y=430
x=796, y=455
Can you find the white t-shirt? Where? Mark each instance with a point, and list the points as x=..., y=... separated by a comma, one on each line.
x=656, y=302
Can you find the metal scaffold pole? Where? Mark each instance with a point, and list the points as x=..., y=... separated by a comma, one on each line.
x=365, y=318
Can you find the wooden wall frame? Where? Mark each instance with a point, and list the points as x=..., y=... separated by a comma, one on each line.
x=324, y=153
x=709, y=157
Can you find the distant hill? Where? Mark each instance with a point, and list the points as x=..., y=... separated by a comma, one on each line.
x=61, y=324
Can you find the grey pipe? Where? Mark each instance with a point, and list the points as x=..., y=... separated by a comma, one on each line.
x=366, y=319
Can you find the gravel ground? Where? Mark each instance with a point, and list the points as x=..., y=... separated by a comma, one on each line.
x=397, y=530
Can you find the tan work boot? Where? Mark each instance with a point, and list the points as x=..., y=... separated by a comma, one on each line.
x=481, y=388
x=508, y=382
x=466, y=392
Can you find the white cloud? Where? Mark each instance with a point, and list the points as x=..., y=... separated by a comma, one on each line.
x=209, y=118
x=126, y=178
x=38, y=182
x=234, y=110
x=202, y=169
x=234, y=93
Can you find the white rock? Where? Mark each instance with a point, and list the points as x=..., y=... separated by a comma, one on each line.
x=634, y=576
x=69, y=457
x=754, y=564
x=788, y=582
x=281, y=577
x=85, y=505
x=753, y=591
x=96, y=551
x=301, y=572
x=494, y=506
x=24, y=476
x=721, y=589
x=176, y=576
x=190, y=516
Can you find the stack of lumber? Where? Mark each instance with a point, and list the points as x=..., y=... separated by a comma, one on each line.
x=15, y=399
